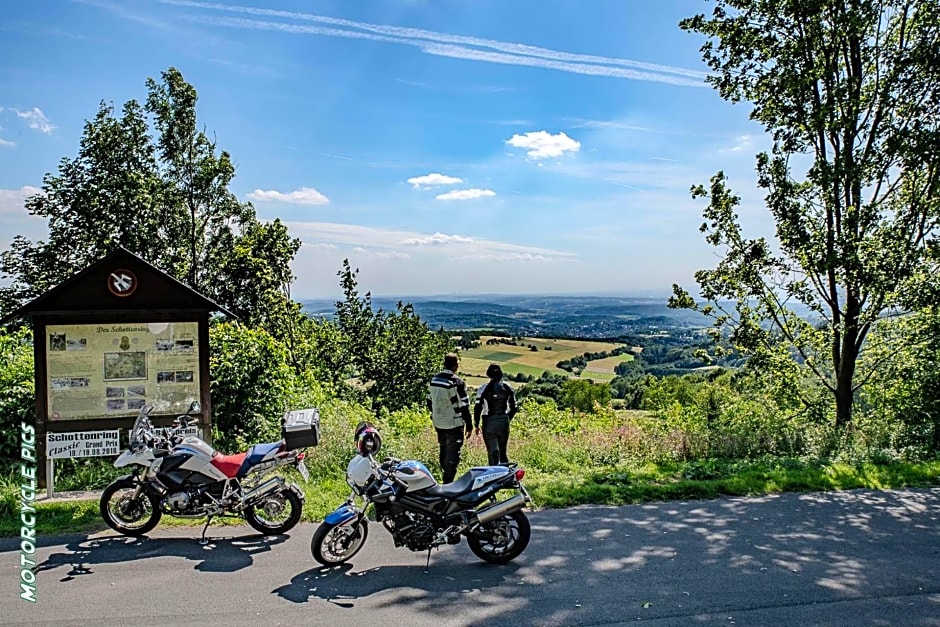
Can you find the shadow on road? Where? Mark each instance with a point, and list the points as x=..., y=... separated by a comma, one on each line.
x=227, y=554
x=434, y=589
x=679, y=563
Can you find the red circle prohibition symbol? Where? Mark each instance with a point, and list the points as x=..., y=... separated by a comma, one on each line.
x=122, y=283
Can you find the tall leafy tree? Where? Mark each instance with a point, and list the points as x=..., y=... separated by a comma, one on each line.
x=159, y=187
x=197, y=194
x=850, y=89
x=392, y=354
x=109, y=195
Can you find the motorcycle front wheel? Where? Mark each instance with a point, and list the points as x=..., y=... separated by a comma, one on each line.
x=334, y=544
x=502, y=540
x=275, y=514
x=125, y=514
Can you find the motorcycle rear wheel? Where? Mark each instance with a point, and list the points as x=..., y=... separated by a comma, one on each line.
x=257, y=515
x=128, y=516
x=502, y=540
x=334, y=544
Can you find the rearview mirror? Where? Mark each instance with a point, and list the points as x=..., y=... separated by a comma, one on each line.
x=195, y=407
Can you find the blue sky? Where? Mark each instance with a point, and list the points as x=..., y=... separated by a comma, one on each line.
x=443, y=146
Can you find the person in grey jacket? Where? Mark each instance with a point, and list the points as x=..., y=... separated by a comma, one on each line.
x=450, y=413
x=499, y=399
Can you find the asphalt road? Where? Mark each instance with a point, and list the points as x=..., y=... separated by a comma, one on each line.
x=842, y=558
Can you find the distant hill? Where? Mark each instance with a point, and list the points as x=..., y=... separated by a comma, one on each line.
x=588, y=317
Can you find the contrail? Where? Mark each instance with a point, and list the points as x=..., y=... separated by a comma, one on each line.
x=443, y=44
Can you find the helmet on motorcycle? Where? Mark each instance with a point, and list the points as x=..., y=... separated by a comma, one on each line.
x=368, y=440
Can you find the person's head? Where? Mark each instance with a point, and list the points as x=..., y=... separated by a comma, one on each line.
x=494, y=372
x=450, y=362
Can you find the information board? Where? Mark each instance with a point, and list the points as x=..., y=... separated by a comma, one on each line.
x=113, y=370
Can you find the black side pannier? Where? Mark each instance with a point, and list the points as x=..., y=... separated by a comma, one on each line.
x=301, y=428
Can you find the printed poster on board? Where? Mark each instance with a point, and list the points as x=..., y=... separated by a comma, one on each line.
x=112, y=370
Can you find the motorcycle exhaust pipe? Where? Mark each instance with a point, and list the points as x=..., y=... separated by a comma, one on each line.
x=271, y=485
x=498, y=510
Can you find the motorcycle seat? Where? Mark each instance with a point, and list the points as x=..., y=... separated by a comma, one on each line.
x=229, y=465
x=457, y=487
x=257, y=454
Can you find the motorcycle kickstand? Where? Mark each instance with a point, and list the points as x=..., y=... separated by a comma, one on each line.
x=203, y=541
x=428, y=564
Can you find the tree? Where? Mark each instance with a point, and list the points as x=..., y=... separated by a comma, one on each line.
x=357, y=321
x=166, y=199
x=392, y=354
x=197, y=196
x=406, y=355
x=851, y=90
x=108, y=195
x=582, y=394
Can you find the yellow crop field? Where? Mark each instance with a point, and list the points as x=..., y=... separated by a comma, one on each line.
x=607, y=364
x=521, y=358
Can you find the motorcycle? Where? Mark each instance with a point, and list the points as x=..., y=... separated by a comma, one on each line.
x=185, y=477
x=422, y=514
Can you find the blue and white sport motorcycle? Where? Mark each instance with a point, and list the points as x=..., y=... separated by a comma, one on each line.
x=422, y=514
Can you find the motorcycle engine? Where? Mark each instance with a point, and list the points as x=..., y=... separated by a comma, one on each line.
x=410, y=529
x=178, y=501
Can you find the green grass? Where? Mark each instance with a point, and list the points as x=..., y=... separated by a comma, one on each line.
x=615, y=485
x=630, y=485
x=570, y=458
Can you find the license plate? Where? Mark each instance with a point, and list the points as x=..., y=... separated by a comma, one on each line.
x=302, y=468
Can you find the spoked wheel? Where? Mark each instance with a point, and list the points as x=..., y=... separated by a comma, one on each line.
x=277, y=513
x=502, y=540
x=334, y=544
x=126, y=514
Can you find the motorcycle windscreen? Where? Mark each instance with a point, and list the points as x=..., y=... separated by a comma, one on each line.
x=359, y=472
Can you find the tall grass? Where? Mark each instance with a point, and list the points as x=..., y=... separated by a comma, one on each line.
x=570, y=457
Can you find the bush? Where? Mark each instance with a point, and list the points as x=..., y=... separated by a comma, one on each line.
x=17, y=391
x=252, y=386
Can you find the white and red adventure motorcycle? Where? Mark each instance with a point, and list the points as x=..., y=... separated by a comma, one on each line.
x=187, y=478
x=422, y=514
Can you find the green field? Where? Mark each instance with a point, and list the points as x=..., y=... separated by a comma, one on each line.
x=498, y=356
x=522, y=359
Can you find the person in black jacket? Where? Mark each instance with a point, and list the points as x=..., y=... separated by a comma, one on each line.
x=500, y=401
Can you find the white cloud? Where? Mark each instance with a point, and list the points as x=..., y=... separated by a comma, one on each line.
x=423, y=243
x=380, y=254
x=542, y=144
x=36, y=119
x=12, y=201
x=504, y=257
x=302, y=196
x=465, y=194
x=433, y=179
x=15, y=220
x=442, y=44
x=436, y=240
x=4, y=142
x=740, y=143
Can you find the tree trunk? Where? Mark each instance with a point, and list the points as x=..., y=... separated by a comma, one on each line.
x=845, y=377
x=844, y=397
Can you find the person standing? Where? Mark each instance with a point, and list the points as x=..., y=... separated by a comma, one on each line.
x=500, y=401
x=450, y=413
